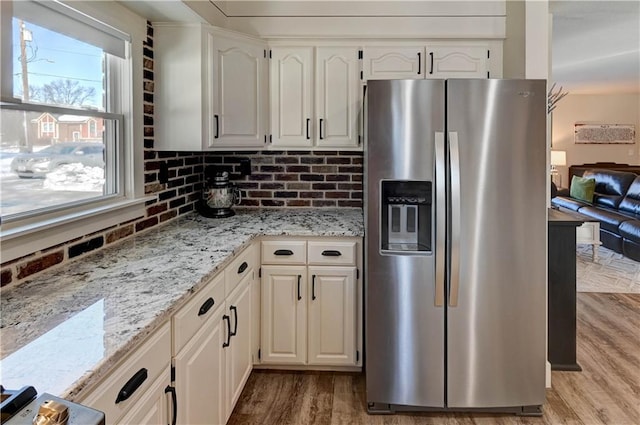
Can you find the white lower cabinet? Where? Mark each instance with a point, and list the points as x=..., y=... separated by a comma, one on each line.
x=284, y=314
x=331, y=328
x=212, y=367
x=200, y=374
x=154, y=406
x=137, y=384
x=310, y=313
x=303, y=312
x=238, y=358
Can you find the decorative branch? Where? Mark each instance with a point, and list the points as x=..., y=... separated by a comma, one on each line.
x=554, y=97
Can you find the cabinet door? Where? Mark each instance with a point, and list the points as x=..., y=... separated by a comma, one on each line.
x=291, y=90
x=382, y=63
x=337, y=97
x=332, y=316
x=200, y=374
x=239, y=93
x=152, y=408
x=457, y=61
x=284, y=314
x=238, y=355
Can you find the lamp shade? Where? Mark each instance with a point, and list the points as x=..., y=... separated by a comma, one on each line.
x=558, y=158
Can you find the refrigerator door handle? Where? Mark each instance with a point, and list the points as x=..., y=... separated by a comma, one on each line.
x=440, y=217
x=454, y=154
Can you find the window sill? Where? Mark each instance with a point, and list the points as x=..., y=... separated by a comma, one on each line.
x=23, y=239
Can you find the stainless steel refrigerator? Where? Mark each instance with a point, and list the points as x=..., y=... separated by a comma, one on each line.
x=455, y=210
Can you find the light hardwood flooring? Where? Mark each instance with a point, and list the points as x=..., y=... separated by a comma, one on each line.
x=607, y=391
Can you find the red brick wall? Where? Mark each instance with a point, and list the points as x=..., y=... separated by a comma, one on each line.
x=295, y=178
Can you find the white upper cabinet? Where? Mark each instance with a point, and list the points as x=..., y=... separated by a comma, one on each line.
x=211, y=89
x=445, y=59
x=337, y=97
x=393, y=62
x=239, y=93
x=320, y=112
x=458, y=61
x=291, y=91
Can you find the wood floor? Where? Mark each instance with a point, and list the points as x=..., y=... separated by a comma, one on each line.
x=607, y=391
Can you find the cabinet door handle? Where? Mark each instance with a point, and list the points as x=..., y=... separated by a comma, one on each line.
x=283, y=252
x=431, y=66
x=331, y=253
x=226, y=344
x=235, y=316
x=308, y=122
x=299, y=279
x=174, y=401
x=242, y=267
x=313, y=287
x=132, y=385
x=419, y=62
x=321, y=129
x=217, y=126
x=206, y=306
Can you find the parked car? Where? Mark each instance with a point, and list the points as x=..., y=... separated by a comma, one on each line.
x=38, y=164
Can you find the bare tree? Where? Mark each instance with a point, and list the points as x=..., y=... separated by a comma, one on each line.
x=67, y=93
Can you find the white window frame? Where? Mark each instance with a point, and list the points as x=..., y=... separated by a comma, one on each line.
x=31, y=233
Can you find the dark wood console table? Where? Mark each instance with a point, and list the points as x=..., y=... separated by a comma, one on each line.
x=562, y=290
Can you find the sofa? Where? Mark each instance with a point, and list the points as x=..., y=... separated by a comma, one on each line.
x=615, y=204
x=579, y=169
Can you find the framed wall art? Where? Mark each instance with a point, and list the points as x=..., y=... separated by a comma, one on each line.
x=586, y=133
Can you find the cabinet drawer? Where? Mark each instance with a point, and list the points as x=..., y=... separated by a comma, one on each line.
x=192, y=316
x=244, y=264
x=332, y=253
x=284, y=252
x=153, y=356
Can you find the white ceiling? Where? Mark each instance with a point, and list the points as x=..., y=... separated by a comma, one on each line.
x=596, y=46
x=595, y=43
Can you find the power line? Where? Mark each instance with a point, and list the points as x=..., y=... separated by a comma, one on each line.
x=65, y=77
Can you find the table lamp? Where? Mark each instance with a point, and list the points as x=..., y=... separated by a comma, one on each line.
x=558, y=158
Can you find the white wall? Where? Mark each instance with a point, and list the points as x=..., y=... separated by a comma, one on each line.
x=602, y=109
x=514, y=44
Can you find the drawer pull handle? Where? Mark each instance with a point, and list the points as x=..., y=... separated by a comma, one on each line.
x=174, y=400
x=226, y=344
x=132, y=385
x=206, y=306
x=331, y=253
x=313, y=287
x=235, y=316
x=242, y=267
x=283, y=252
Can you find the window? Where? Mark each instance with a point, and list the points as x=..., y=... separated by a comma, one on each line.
x=47, y=127
x=66, y=131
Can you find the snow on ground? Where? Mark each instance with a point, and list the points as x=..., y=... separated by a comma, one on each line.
x=60, y=187
x=75, y=177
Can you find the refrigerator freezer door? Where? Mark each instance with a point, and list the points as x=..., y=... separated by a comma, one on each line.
x=496, y=326
x=404, y=326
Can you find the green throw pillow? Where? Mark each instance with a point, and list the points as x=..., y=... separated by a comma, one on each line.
x=582, y=188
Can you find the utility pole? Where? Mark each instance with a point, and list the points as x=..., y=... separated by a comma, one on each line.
x=25, y=83
x=23, y=60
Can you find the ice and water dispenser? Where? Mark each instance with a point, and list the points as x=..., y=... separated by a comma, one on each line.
x=406, y=216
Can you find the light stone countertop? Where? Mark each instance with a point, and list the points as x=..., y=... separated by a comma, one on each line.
x=63, y=330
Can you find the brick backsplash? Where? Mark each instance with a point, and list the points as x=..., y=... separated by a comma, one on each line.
x=294, y=178
x=278, y=179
